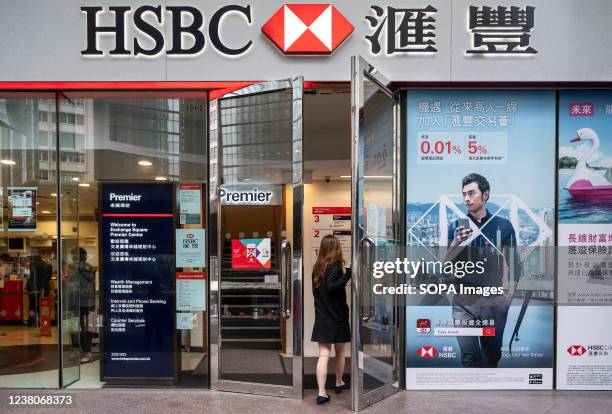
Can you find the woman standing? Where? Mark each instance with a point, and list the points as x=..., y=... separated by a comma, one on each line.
x=331, y=326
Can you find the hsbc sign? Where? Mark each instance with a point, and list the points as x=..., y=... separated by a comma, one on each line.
x=295, y=29
x=247, y=40
x=307, y=29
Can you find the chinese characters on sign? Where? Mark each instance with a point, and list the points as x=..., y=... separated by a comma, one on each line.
x=456, y=145
x=494, y=30
x=501, y=30
x=407, y=30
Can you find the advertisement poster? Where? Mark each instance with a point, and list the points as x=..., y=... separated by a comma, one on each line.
x=21, y=208
x=190, y=248
x=481, y=174
x=137, y=278
x=190, y=203
x=335, y=221
x=251, y=254
x=190, y=291
x=584, y=349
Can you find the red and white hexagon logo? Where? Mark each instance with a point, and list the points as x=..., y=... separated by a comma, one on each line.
x=427, y=352
x=307, y=29
x=576, y=350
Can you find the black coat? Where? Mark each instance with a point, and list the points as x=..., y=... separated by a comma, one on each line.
x=330, y=296
x=331, y=324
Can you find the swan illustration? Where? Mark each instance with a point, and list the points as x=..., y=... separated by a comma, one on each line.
x=586, y=183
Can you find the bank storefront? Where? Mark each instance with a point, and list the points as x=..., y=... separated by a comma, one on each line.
x=168, y=171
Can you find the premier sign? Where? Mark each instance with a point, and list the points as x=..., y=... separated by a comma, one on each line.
x=251, y=195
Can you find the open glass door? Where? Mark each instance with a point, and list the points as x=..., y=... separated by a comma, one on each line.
x=256, y=239
x=376, y=319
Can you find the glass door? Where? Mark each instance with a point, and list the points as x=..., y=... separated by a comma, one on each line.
x=256, y=239
x=376, y=319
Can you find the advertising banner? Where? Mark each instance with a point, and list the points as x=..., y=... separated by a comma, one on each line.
x=137, y=281
x=22, y=208
x=584, y=349
x=190, y=248
x=480, y=192
x=251, y=254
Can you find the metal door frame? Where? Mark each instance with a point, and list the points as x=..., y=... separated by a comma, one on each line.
x=360, y=70
x=297, y=297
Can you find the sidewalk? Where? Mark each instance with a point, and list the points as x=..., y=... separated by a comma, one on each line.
x=152, y=401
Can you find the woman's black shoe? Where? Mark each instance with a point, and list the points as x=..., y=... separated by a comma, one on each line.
x=338, y=388
x=322, y=400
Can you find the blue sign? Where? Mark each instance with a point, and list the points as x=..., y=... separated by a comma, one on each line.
x=137, y=282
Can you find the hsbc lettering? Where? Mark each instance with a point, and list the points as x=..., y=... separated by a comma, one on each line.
x=185, y=21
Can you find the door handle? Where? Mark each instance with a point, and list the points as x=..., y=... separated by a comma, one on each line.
x=285, y=293
x=367, y=246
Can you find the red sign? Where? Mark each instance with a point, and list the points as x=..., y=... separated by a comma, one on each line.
x=44, y=304
x=251, y=254
x=427, y=352
x=488, y=331
x=581, y=108
x=190, y=276
x=331, y=210
x=576, y=350
x=307, y=29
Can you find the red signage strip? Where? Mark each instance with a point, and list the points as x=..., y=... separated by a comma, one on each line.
x=135, y=215
x=331, y=210
x=191, y=275
x=132, y=85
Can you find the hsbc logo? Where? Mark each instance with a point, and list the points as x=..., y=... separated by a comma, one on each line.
x=427, y=352
x=302, y=29
x=153, y=30
x=576, y=350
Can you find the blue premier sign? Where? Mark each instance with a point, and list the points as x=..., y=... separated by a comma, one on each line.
x=137, y=282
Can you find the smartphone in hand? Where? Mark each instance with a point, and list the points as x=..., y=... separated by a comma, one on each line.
x=464, y=222
x=466, y=231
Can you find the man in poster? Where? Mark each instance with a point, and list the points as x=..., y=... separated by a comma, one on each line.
x=495, y=237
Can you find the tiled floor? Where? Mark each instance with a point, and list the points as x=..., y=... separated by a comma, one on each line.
x=151, y=401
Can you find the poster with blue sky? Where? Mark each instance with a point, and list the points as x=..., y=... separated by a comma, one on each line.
x=509, y=138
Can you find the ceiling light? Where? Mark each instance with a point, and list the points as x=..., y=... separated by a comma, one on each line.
x=83, y=184
x=160, y=178
x=345, y=176
x=46, y=212
x=145, y=163
x=75, y=178
x=53, y=194
x=8, y=162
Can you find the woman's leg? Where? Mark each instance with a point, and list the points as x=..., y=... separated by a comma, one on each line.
x=340, y=347
x=324, y=351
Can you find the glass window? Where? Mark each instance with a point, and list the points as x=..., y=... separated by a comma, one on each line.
x=67, y=140
x=29, y=276
x=134, y=142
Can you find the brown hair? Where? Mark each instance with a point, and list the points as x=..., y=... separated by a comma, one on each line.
x=330, y=252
